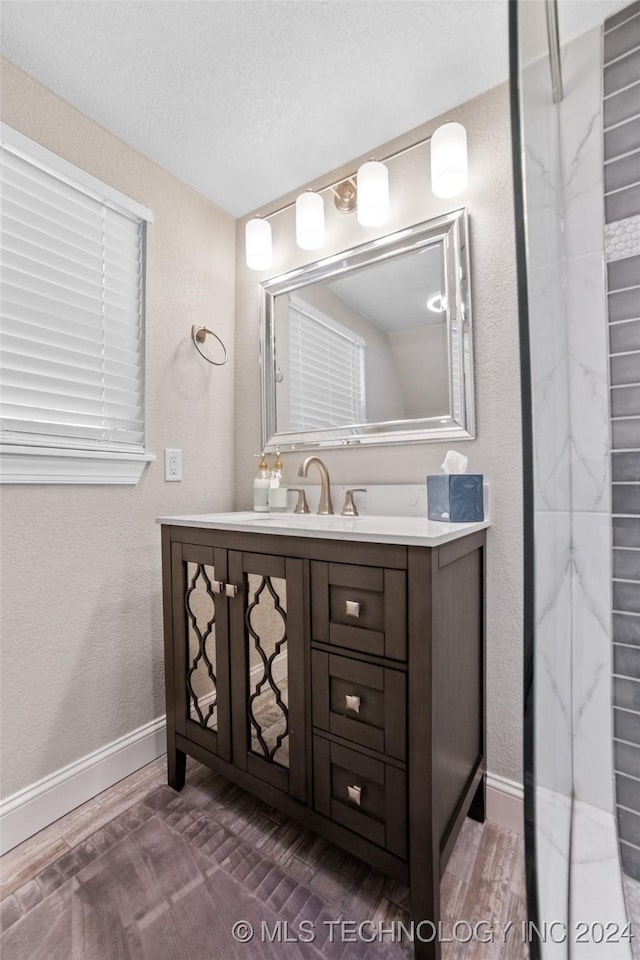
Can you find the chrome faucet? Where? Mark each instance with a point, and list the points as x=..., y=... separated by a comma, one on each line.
x=325, y=506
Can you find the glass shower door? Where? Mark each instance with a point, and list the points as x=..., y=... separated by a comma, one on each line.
x=573, y=872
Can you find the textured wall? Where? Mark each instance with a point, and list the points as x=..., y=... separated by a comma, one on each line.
x=81, y=611
x=497, y=450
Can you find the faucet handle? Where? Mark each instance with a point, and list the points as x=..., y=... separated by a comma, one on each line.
x=301, y=506
x=349, y=508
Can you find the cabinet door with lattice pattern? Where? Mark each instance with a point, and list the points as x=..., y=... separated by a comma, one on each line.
x=201, y=646
x=268, y=669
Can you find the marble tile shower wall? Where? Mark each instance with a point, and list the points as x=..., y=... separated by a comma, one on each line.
x=581, y=145
x=550, y=388
x=571, y=428
x=621, y=116
x=552, y=475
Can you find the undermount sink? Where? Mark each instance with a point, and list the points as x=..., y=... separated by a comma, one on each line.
x=300, y=521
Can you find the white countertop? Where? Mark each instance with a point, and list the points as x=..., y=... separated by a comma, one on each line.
x=414, y=531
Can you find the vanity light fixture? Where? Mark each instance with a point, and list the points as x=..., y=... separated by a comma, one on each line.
x=449, y=160
x=257, y=235
x=368, y=193
x=373, y=193
x=309, y=220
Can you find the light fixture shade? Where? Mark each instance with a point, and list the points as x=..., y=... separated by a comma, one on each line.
x=309, y=220
x=373, y=194
x=257, y=235
x=449, y=162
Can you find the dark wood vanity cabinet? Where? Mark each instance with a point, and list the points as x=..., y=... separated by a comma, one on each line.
x=340, y=681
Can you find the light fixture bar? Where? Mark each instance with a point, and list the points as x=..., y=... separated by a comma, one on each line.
x=349, y=176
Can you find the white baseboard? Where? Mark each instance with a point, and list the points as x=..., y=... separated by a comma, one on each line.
x=25, y=813
x=30, y=810
x=505, y=803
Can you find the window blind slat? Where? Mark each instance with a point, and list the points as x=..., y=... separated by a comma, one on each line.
x=88, y=256
x=71, y=297
x=29, y=418
x=50, y=219
x=46, y=249
x=47, y=263
x=52, y=434
x=50, y=273
x=47, y=296
x=326, y=374
x=36, y=181
x=23, y=353
x=35, y=278
x=31, y=284
x=53, y=330
x=35, y=196
x=24, y=369
x=60, y=409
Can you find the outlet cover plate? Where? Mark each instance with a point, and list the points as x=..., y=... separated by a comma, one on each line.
x=172, y=465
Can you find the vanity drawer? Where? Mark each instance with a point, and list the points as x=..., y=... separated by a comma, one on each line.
x=360, y=608
x=365, y=795
x=360, y=702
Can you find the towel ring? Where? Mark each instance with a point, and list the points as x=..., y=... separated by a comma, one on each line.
x=199, y=335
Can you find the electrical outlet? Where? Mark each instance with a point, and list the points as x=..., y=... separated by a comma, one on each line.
x=172, y=465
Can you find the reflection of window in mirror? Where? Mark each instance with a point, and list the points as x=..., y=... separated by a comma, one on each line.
x=325, y=370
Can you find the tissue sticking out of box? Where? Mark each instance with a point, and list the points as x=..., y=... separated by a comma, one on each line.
x=454, y=462
x=455, y=496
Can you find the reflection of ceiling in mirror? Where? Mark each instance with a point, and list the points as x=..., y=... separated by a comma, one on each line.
x=393, y=293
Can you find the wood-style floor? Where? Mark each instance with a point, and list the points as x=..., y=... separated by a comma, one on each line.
x=484, y=880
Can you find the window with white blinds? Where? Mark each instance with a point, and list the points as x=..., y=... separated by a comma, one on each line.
x=326, y=371
x=72, y=306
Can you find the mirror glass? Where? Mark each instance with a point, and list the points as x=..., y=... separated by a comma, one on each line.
x=372, y=346
x=202, y=689
x=266, y=622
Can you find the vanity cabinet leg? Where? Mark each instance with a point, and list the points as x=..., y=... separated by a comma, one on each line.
x=177, y=768
x=427, y=951
x=478, y=808
x=427, y=944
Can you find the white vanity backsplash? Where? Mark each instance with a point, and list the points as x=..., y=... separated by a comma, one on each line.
x=381, y=499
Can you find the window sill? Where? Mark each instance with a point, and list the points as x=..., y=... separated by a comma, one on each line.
x=32, y=464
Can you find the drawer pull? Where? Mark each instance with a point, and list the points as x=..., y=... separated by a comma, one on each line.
x=352, y=702
x=231, y=590
x=355, y=794
x=353, y=608
x=216, y=586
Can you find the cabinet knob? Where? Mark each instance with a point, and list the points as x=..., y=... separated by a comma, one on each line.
x=231, y=590
x=352, y=702
x=352, y=608
x=355, y=794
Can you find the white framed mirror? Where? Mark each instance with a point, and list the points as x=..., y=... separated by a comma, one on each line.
x=373, y=345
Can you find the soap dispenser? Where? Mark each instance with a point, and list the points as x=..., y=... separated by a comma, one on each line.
x=261, y=486
x=277, y=487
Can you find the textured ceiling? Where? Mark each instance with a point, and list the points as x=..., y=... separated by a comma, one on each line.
x=245, y=100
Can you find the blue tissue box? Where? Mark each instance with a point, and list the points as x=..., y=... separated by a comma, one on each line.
x=455, y=497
